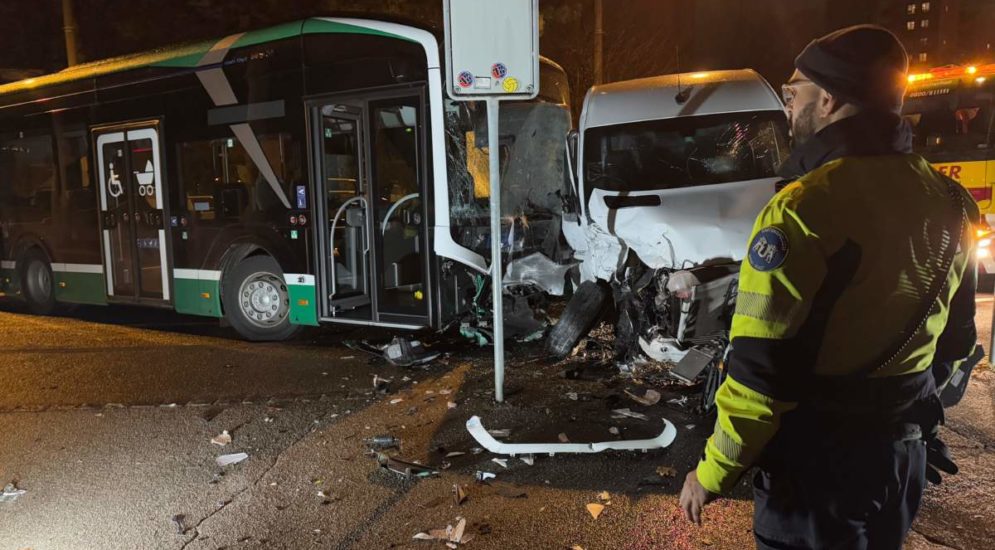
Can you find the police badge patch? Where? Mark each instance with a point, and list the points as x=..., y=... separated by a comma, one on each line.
x=768, y=249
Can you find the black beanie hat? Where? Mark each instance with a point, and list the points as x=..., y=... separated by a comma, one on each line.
x=864, y=64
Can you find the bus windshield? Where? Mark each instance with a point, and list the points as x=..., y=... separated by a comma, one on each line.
x=685, y=151
x=951, y=124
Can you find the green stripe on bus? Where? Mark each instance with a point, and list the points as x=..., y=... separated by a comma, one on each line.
x=316, y=26
x=197, y=297
x=302, y=305
x=80, y=288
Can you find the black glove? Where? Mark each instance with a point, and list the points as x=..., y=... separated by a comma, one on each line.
x=938, y=460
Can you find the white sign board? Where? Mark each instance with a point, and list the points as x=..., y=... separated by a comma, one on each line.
x=492, y=49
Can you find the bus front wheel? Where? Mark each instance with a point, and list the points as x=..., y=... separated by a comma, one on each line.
x=256, y=300
x=37, y=282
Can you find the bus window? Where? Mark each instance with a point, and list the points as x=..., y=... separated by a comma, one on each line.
x=27, y=177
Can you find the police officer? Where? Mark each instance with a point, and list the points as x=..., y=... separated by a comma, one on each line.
x=859, y=275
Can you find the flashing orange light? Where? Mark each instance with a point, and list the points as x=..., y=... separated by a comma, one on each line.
x=972, y=69
x=920, y=76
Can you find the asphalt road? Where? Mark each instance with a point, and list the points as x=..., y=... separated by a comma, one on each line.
x=106, y=417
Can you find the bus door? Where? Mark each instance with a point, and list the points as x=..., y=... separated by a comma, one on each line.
x=132, y=212
x=371, y=184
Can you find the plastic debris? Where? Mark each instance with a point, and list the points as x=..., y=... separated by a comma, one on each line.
x=666, y=471
x=681, y=401
x=451, y=405
x=405, y=468
x=222, y=439
x=613, y=430
x=451, y=535
x=395, y=401
x=483, y=476
x=477, y=430
x=11, y=492
x=234, y=458
x=402, y=352
x=626, y=413
x=454, y=453
x=381, y=384
x=502, y=462
x=648, y=398
x=572, y=396
x=178, y=523
x=563, y=438
x=595, y=509
x=530, y=460
x=382, y=442
x=604, y=497
x=459, y=494
x=499, y=433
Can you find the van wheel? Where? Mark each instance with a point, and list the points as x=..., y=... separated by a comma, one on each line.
x=582, y=311
x=37, y=283
x=256, y=300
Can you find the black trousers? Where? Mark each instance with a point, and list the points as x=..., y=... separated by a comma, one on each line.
x=858, y=494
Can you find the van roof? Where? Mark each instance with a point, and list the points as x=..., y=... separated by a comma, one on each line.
x=654, y=98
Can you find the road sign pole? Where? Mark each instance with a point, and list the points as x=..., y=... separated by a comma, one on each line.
x=493, y=152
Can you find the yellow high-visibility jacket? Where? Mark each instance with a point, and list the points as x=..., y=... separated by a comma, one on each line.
x=840, y=261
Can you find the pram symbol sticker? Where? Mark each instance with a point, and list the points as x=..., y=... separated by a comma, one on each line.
x=146, y=180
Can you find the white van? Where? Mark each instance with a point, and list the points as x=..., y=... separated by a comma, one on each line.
x=669, y=175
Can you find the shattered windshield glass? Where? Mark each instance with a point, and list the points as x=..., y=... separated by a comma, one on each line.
x=532, y=156
x=685, y=151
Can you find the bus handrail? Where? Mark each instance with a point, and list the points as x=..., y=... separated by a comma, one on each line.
x=331, y=236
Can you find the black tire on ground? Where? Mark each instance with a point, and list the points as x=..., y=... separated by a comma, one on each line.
x=37, y=282
x=582, y=312
x=256, y=300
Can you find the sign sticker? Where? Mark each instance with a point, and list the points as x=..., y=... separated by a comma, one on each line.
x=769, y=249
x=465, y=79
x=510, y=84
x=499, y=70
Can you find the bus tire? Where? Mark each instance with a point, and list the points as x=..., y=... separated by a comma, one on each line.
x=582, y=311
x=37, y=282
x=256, y=300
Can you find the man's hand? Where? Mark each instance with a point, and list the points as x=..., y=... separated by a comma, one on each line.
x=694, y=497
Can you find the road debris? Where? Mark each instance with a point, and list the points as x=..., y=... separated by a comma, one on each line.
x=666, y=471
x=499, y=433
x=595, y=509
x=234, y=458
x=382, y=442
x=402, y=352
x=11, y=492
x=405, y=468
x=626, y=413
x=605, y=498
x=502, y=462
x=452, y=536
x=530, y=460
x=477, y=430
x=381, y=384
x=451, y=405
x=572, y=396
x=454, y=454
x=395, y=401
x=483, y=476
x=681, y=401
x=178, y=523
x=459, y=494
x=613, y=430
x=222, y=439
x=563, y=438
x=648, y=398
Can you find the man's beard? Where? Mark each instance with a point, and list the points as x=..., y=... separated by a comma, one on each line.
x=803, y=125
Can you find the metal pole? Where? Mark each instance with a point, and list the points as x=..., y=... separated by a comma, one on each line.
x=599, y=41
x=493, y=152
x=69, y=27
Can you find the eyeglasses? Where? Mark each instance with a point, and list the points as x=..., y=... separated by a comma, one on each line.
x=790, y=90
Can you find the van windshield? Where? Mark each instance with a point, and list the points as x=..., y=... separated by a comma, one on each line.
x=685, y=151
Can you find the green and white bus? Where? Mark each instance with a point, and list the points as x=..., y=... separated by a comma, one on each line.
x=303, y=174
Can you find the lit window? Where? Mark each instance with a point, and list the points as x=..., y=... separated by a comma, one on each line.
x=924, y=23
x=924, y=41
x=923, y=57
x=911, y=9
x=925, y=7
x=911, y=25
